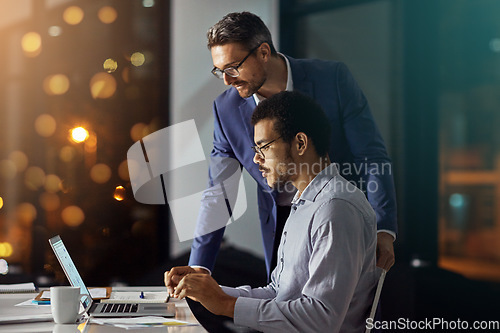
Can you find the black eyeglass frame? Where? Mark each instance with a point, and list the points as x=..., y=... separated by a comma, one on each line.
x=219, y=73
x=258, y=150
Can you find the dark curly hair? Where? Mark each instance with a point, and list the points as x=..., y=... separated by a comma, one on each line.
x=244, y=28
x=294, y=112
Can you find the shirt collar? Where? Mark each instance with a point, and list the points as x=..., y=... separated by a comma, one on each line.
x=289, y=81
x=317, y=184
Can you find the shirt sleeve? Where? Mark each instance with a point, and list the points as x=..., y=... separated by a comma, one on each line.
x=217, y=202
x=367, y=146
x=334, y=270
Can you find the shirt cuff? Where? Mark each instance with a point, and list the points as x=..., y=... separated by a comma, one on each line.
x=392, y=233
x=196, y=266
x=231, y=291
x=246, y=312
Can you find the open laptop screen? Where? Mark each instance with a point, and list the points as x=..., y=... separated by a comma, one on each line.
x=69, y=267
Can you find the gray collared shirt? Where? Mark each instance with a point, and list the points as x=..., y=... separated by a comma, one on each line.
x=326, y=274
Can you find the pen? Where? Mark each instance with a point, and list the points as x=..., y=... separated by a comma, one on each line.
x=40, y=302
x=141, y=296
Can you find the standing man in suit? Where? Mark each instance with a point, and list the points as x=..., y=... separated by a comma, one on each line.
x=245, y=58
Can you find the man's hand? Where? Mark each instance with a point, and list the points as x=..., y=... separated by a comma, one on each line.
x=385, y=250
x=204, y=289
x=175, y=275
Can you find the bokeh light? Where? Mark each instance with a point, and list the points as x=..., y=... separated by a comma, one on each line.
x=52, y=183
x=123, y=170
x=107, y=14
x=34, y=178
x=19, y=159
x=57, y=84
x=31, y=44
x=102, y=85
x=45, y=125
x=79, y=134
x=67, y=154
x=4, y=267
x=110, y=65
x=25, y=214
x=148, y=3
x=138, y=131
x=119, y=193
x=73, y=15
x=5, y=249
x=8, y=169
x=126, y=75
x=73, y=216
x=100, y=173
x=137, y=59
x=49, y=201
x=1, y=202
x=91, y=143
x=54, y=31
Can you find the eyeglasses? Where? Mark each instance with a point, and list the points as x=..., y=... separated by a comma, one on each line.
x=233, y=70
x=260, y=150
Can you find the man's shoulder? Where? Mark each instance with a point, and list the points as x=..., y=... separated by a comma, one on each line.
x=339, y=191
x=313, y=65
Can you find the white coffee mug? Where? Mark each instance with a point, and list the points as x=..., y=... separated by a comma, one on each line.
x=65, y=304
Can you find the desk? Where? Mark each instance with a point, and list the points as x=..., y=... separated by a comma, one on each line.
x=7, y=302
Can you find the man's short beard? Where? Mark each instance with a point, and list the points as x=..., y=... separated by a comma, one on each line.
x=283, y=176
x=254, y=88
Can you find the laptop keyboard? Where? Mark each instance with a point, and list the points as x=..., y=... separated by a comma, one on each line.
x=119, y=308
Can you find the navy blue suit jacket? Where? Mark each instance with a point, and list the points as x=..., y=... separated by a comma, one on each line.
x=356, y=146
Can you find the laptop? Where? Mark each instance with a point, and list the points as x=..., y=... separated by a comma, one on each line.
x=97, y=309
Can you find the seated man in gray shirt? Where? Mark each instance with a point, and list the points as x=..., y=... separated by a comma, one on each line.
x=326, y=274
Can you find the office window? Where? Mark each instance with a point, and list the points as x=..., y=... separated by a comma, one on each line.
x=469, y=224
x=80, y=82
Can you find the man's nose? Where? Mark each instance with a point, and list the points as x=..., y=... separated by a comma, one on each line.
x=257, y=159
x=228, y=79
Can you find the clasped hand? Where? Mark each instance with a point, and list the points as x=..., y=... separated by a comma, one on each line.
x=198, y=285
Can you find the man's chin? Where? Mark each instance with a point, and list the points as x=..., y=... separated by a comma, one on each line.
x=244, y=93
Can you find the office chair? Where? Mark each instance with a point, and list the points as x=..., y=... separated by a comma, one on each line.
x=376, y=298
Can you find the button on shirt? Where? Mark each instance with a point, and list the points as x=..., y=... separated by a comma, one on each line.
x=326, y=274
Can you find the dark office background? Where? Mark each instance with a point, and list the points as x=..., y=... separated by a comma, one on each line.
x=430, y=69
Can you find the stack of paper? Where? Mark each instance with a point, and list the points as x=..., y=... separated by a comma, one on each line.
x=17, y=288
x=140, y=322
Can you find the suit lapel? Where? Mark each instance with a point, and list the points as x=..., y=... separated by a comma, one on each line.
x=246, y=110
x=299, y=76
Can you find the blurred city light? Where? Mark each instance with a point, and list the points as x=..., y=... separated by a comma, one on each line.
x=57, y=84
x=137, y=59
x=110, y=65
x=19, y=159
x=79, y=134
x=102, y=85
x=73, y=15
x=72, y=216
x=32, y=44
x=45, y=125
x=100, y=173
x=5, y=249
x=107, y=14
x=54, y=31
x=34, y=178
x=49, y=201
x=119, y=194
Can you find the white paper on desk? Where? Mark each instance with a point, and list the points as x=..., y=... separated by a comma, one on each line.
x=31, y=304
x=133, y=297
x=94, y=293
x=141, y=322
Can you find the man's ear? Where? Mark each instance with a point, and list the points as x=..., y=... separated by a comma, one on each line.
x=302, y=142
x=264, y=51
